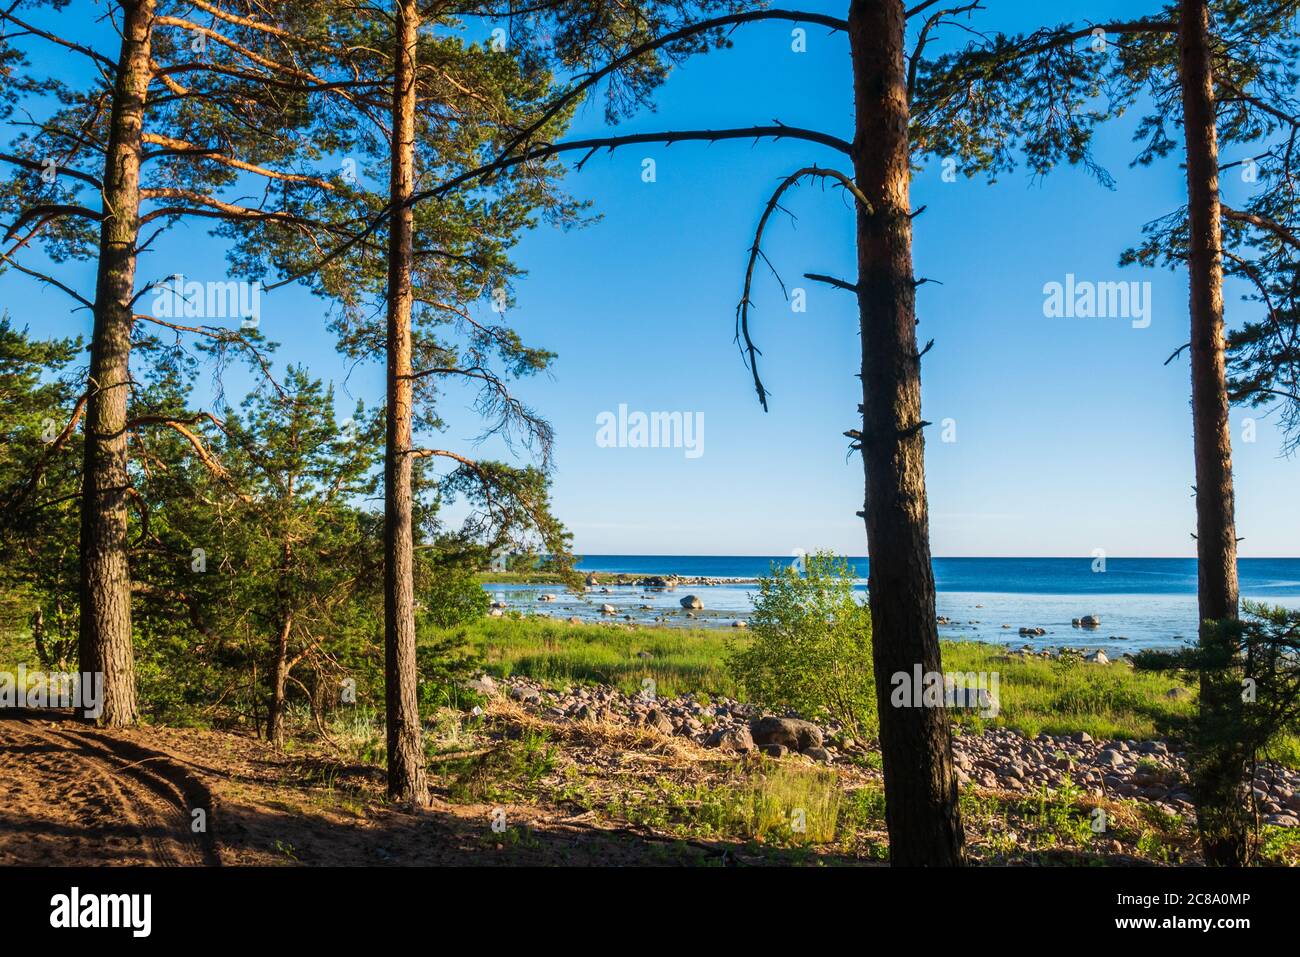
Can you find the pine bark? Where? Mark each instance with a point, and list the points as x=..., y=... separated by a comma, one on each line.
x=104, y=631
x=407, y=781
x=279, y=686
x=1221, y=799
x=921, y=807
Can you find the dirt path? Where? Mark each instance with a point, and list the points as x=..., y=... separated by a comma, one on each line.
x=72, y=795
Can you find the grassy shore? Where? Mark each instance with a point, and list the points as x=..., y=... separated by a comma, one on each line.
x=1036, y=695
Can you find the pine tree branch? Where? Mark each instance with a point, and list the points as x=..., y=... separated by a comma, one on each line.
x=831, y=281
x=175, y=147
x=99, y=58
x=1264, y=223
x=914, y=62
x=590, y=146
x=182, y=427
x=42, y=277
x=49, y=211
x=748, y=350
x=21, y=494
x=693, y=29
x=59, y=170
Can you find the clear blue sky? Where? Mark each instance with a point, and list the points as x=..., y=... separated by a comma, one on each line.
x=1071, y=434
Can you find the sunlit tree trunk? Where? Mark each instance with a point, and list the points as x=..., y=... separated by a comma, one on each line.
x=920, y=785
x=406, y=771
x=1221, y=798
x=105, y=622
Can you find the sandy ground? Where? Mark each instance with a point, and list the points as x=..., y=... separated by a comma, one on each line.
x=74, y=795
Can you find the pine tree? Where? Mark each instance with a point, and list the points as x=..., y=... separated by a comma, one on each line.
x=173, y=118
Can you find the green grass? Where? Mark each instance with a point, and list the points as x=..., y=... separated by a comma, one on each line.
x=1064, y=696
x=560, y=654
x=1056, y=697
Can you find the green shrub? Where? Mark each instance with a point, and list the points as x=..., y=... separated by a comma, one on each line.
x=454, y=597
x=810, y=646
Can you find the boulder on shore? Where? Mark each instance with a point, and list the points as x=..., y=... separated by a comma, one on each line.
x=795, y=734
x=658, y=721
x=731, y=739
x=692, y=602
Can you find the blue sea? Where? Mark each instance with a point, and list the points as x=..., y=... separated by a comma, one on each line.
x=1142, y=602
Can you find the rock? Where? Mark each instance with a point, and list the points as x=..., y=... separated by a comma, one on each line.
x=738, y=623
x=1098, y=657
x=593, y=580
x=1178, y=694
x=775, y=750
x=584, y=713
x=608, y=610
x=496, y=613
x=546, y=598
x=1081, y=737
x=1089, y=621
x=644, y=655
x=483, y=684
x=731, y=739
x=658, y=721
x=820, y=755
x=1282, y=820
x=692, y=602
x=1110, y=758
x=794, y=734
x=574, y=620
x=526, y=695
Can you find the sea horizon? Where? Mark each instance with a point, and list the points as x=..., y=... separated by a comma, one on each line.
x=1141, y=602
x=1034, y=574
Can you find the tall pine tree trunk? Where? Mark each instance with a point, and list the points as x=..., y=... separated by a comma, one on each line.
x=279, y=686
x=920, y=785
x=406, y=773
x=104, y=639
x=1221, y=798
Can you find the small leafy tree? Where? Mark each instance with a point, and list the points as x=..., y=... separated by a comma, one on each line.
x=452, y=595
x=811, y=646
x=1253, y=670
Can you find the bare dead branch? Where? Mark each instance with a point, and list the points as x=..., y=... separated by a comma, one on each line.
x=748, y=350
